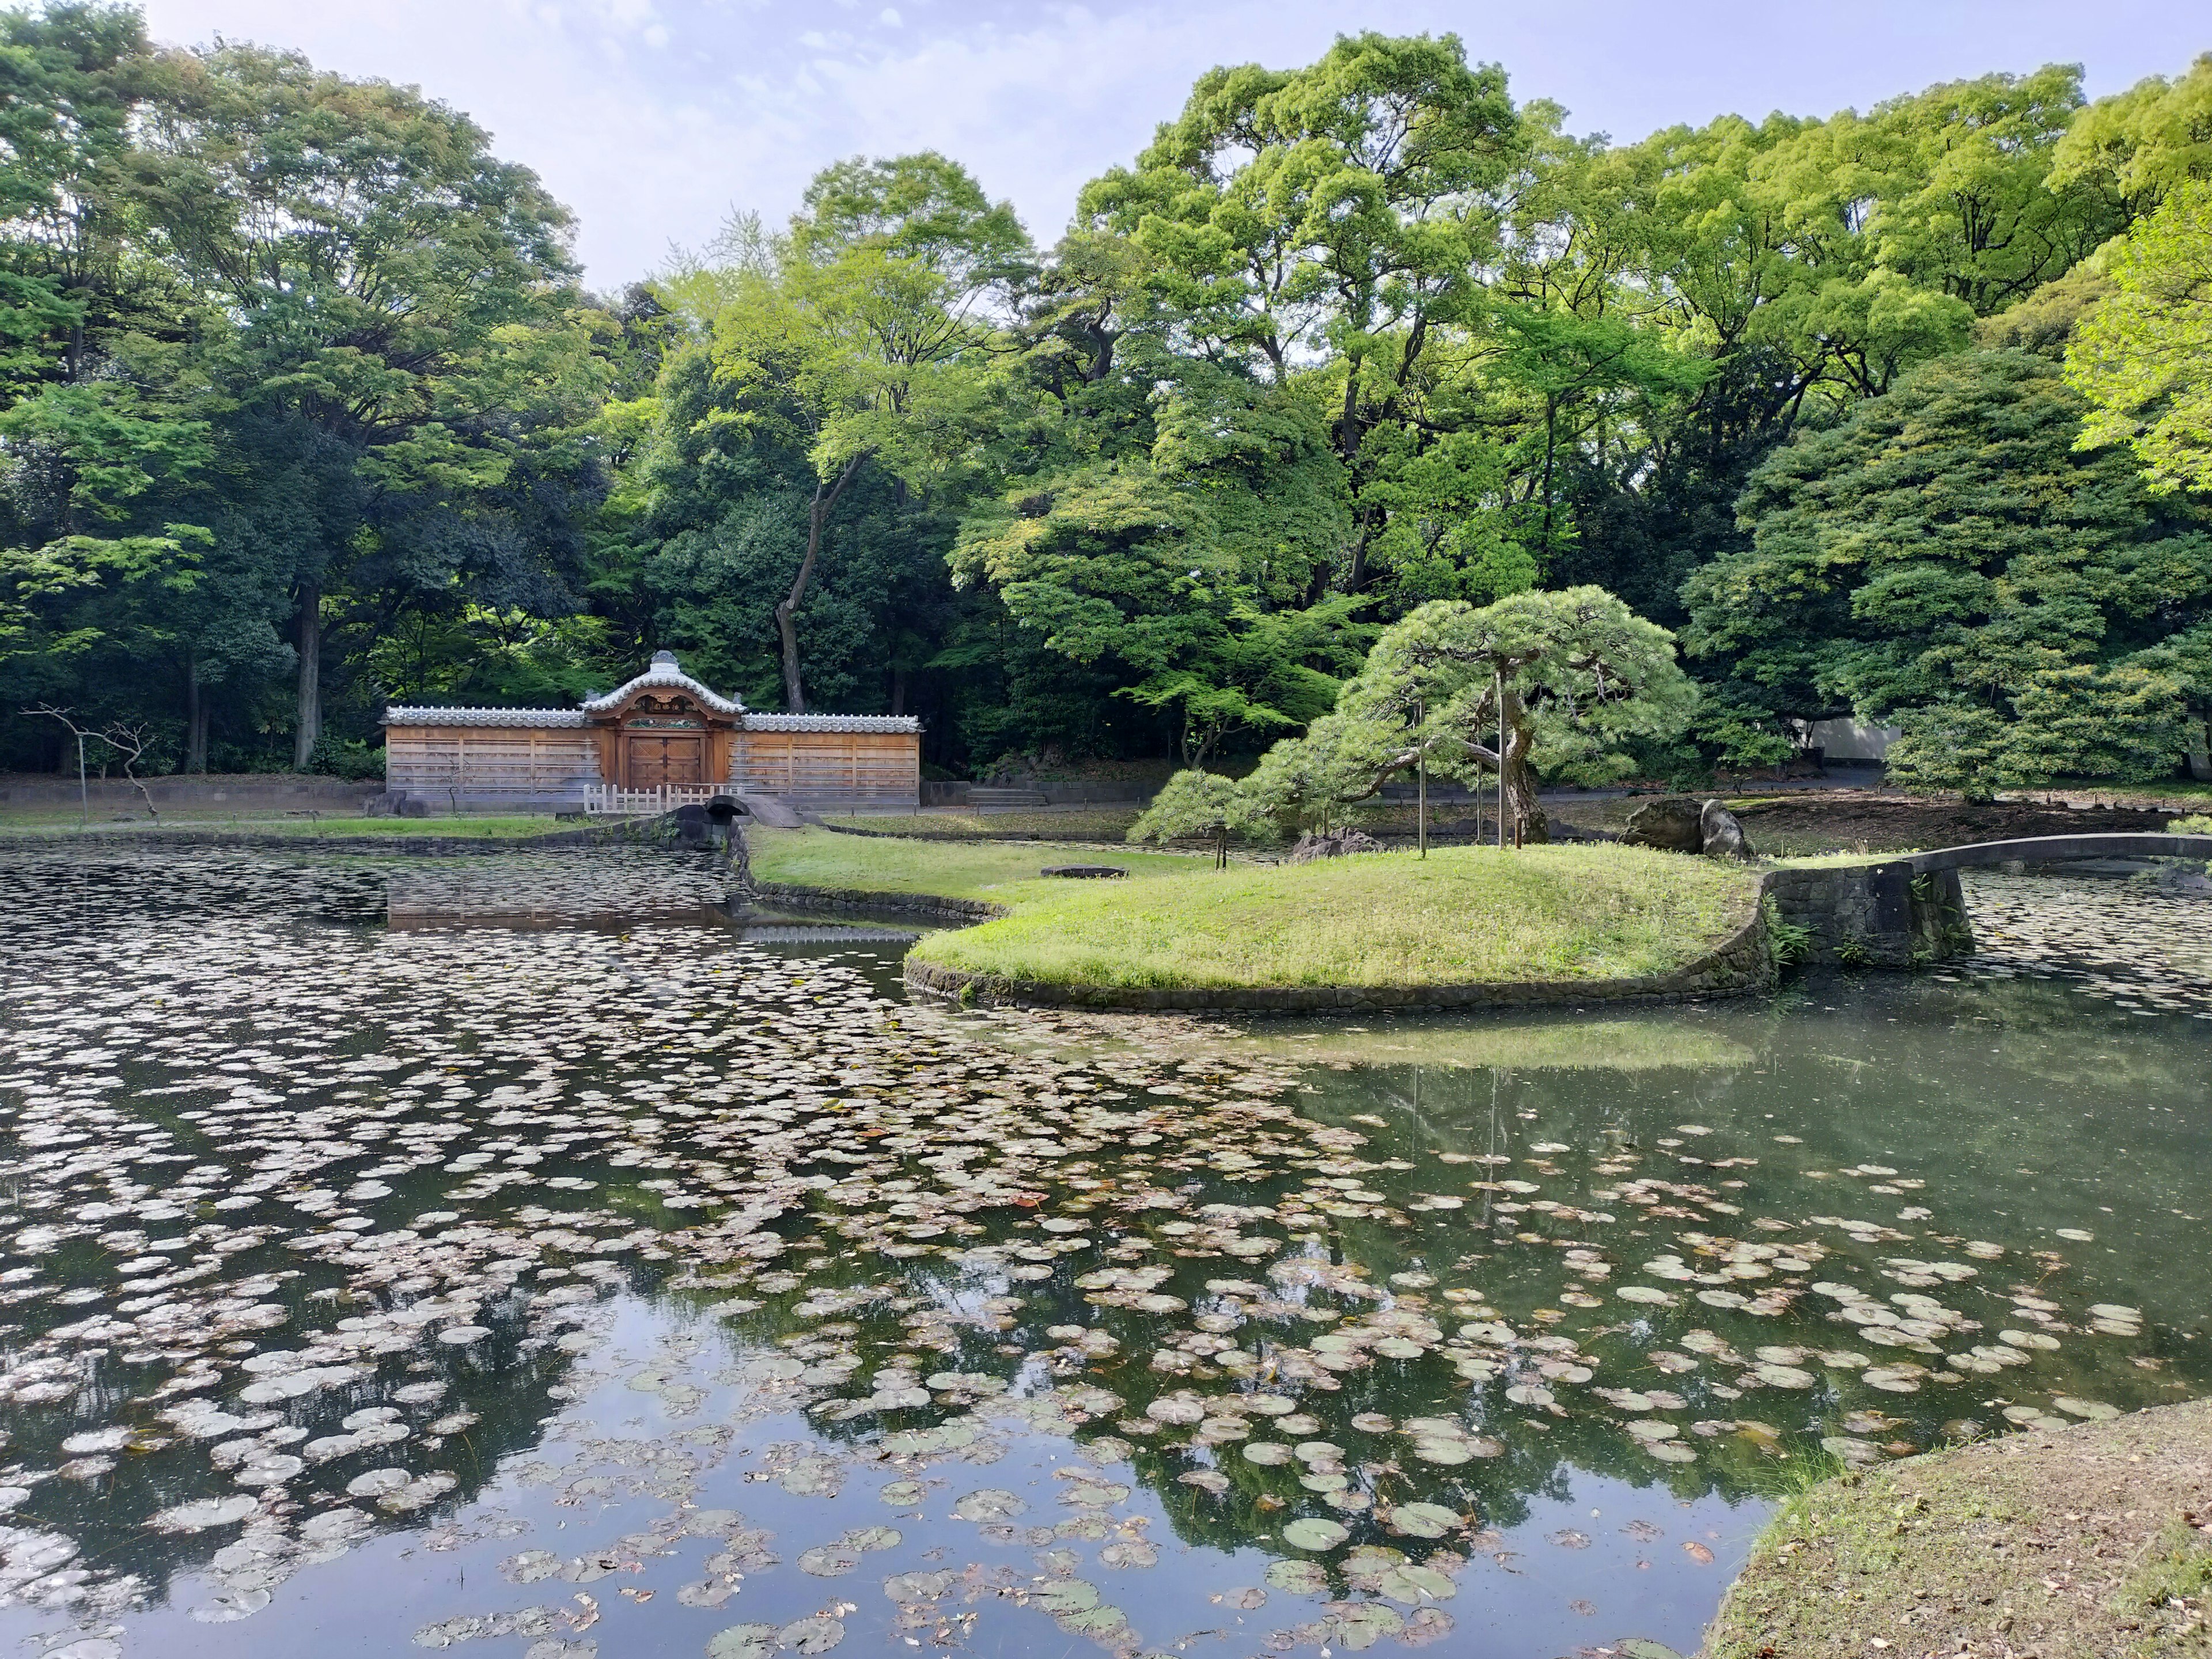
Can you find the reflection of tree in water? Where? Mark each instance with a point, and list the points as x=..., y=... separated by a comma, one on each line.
x=841, y=1216
x=502, y=1385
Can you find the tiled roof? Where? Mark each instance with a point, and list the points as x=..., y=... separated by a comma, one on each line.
x=664, y=673
x=542, y=717
x=831, y=723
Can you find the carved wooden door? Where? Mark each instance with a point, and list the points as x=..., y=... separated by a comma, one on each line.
x=656, y=760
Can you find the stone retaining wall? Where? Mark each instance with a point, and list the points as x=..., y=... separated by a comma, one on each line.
x=238, y=792
x=928, y=905
x=1875, y=915
x=1744, y=962
x=624, y=833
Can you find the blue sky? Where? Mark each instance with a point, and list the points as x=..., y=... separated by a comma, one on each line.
x=654, y=118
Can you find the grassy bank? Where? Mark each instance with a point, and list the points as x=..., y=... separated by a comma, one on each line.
x=1107, y=823
x=1464, y=915
x=2085, y=1541
x=994, y=871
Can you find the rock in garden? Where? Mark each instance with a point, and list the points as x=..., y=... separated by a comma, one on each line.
x=1722, y=836
x=1674, y=824
x=1085, y=872
x=1340, y=844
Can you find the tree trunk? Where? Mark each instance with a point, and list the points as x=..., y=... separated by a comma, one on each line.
x=309, y=729
x=817, y=516
x=196, y=718
x=2200, y=752
x=898, y=692
x=1524, y=817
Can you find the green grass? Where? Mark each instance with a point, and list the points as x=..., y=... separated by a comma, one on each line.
x=1106, y=822
x=1464, y=915
x=995, y=872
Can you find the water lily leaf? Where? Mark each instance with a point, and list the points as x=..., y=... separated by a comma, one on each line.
x=202, y=1513
x=991, y=1504
x=828, y=1561
x=1422, y=1520
x=1413, y=1585
x=817, y=1635
x=2095, y=1411
x=1100, y=1623
x=1297, y=1578
x=1063, y=1596
x=1360, y=1624
x=915, y=1587
x=1315, y=1533
x=1424, y=1625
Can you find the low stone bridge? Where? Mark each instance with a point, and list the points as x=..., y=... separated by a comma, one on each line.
x=1909, y=910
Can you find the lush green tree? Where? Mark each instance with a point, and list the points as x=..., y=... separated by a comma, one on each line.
x=1195, y=803
x=392, y=292
x=2147, y=140
x=2143, y=357
x=1946, y=558
x=1538, y=684
x=1189, y=573
x=1346, y=215
x=875, y=312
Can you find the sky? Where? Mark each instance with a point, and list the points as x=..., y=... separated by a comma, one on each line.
x=655, y=119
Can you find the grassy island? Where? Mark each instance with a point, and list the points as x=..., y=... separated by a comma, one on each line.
x=1463, y=915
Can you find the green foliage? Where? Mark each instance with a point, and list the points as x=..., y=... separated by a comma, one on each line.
x=1790, y=942
x=1193, y=803
x=1945, y=558
x=301, y=410
x=2144, y=358
x=1555, y=684
x=335, y=756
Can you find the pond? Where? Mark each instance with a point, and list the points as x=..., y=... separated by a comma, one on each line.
x=518, y=1254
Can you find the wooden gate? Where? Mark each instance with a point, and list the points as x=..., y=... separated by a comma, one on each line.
x=651, y=760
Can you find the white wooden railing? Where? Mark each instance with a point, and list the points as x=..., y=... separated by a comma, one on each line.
x=609, y=800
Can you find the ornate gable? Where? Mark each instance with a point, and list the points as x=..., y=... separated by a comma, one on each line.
x=664, y=691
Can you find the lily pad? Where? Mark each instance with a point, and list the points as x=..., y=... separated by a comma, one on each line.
x=991, y=1504
x=1423, y=1520
x=1315, y=1533
x=1297, y=1578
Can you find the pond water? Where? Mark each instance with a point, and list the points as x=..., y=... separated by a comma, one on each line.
x=517, y=1254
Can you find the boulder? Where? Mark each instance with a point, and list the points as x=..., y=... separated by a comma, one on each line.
x=1085, y=872
x=1674, y=824
x=1344, y=842
x=1722, y=836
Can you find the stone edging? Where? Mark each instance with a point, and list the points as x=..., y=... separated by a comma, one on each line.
x=928, y=905
x=1195, y=844
x=434, y=846
x=1742, y=964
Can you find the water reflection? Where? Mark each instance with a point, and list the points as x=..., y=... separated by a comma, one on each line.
x=644, y=1285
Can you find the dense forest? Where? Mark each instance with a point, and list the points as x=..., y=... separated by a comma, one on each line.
x=1905, y=414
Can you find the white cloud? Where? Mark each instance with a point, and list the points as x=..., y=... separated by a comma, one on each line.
x=653, y=118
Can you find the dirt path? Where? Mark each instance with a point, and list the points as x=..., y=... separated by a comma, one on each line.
x=2094, y=1542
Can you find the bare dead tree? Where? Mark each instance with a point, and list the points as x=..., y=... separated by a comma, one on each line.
x=67, y=717
x=129, y=742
